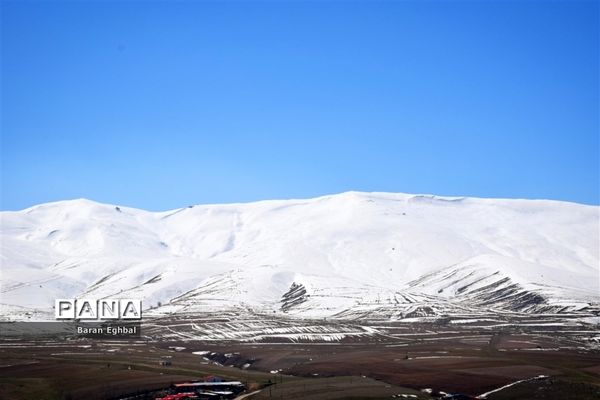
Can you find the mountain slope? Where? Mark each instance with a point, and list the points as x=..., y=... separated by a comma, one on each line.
x=343, y=255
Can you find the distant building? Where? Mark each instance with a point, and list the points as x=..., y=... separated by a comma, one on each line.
x=211, y=390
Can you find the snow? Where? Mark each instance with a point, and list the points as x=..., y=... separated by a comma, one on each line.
x=353, y=252
x=485, y=395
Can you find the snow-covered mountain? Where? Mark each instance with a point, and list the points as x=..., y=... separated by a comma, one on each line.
x=346, y=256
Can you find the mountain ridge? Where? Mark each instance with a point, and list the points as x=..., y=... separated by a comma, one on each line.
x=344, y=250
x=348, y=193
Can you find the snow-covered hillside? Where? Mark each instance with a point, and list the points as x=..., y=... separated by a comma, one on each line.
x=342, y=256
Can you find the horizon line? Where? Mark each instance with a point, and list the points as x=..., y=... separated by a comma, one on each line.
x=347, y=192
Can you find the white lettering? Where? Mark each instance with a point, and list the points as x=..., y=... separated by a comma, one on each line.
x=98, y=309
x=85, y=310
x=131, y=309
x=109, y=309
x=64, y=309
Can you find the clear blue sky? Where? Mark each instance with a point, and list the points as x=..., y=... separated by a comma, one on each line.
x=164, y=104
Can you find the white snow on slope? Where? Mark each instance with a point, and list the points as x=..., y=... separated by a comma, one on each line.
x=342, y=252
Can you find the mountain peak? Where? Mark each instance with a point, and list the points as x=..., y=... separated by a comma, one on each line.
x=351, y=245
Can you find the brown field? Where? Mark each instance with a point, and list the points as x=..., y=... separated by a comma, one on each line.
x=472, y=363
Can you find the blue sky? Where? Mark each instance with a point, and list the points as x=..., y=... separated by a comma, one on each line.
x=164, y=104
